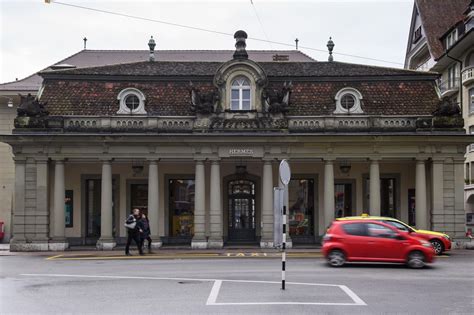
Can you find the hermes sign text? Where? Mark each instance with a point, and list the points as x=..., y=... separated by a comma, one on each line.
x=241, y=152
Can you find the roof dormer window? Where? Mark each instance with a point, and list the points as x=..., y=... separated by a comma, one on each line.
x=131, y=101
x=348, y=101
x=240, y=94
x=451, y=38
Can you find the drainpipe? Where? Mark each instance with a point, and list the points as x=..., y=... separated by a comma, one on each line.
x=460, y=80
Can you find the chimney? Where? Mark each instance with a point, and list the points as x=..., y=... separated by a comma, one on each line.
x=240, y=52
x=151, y=45
x=330, y=47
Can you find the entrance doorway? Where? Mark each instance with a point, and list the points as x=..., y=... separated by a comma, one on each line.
x=92, y=199
x=344, y=199
x=241, y=198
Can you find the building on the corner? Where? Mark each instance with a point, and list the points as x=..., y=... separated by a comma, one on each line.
x=196, y=144
x=441, y=39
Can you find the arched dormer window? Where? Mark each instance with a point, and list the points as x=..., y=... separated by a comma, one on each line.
x=240, y=94
x=348, y=101
x=132, y=101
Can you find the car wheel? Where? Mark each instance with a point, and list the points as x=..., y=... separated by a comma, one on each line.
x=416, y=260
x=336, y=258
x=438, y=246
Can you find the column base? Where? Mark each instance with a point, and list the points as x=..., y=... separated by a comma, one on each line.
x=58, y=245
x=105, y=244
x=23, y=246
x=266, y=244
x=155, y=244
x=215, y=243
x=200, y=243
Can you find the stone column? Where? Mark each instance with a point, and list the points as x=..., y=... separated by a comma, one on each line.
x=18, y=213
x=216, y=227
x=266, y=240
x=438, y=194
x=42, y=211
x=153, y=202
x=329, y=204
x=421, y=210
x=199, y=239
x=374, y=188
x=106, y=240
x=58, y=241
x=459, y=202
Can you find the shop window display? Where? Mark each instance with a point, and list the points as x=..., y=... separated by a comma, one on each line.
x=181, y=205
x=301, y=204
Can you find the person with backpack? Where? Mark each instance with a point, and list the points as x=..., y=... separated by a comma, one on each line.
x=133, y=231
x=144, y=226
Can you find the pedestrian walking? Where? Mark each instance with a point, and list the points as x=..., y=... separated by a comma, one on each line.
x=133, y=231
x=144, y=225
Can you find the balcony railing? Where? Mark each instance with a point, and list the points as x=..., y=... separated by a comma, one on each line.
x=449, y=87
x=468, y=75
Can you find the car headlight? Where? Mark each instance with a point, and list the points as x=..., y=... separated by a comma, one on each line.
x=447, y=237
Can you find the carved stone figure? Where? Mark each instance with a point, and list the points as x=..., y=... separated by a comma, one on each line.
x=447, y=108
x=277, y=101
x=31, y=107
x=203, y=103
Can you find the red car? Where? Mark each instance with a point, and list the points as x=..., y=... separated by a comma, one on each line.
x=374, y=241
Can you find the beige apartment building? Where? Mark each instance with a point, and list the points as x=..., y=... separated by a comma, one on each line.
x=196, y=144
x=441, y=39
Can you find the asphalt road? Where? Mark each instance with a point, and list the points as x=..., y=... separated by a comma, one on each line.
x=32, y=284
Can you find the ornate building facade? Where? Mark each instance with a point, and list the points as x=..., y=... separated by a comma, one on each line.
x=196, y=145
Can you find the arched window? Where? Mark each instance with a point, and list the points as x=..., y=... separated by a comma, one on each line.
x=240, y=94
x=131, y=101
x=348, y=101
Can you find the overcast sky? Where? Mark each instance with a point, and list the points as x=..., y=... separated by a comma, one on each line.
x=35, y=35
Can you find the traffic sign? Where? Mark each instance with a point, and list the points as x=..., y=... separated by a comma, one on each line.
x=285, y=172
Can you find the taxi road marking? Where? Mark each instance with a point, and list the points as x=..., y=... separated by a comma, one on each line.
x=217, y=283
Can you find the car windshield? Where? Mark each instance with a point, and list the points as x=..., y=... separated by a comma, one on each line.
x=398, y=225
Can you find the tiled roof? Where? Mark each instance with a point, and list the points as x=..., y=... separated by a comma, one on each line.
x=172, y=98
x=93, y=58
x=437, y=16
x=272, y=69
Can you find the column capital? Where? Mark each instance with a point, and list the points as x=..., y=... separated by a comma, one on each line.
x=106, y=160
x=199, y=161
x=375, y=159
x=19, y=159
x=268, y=160
x=41, y=159
x=438, y=160
x=215, y=161
x=329, y=160
x=421, y=158
x=153, y=160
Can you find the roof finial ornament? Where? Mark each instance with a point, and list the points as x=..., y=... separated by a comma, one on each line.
x=240, y=52
x=330, y=47
x=296, y=41
x=85, y=42
x=151, y=45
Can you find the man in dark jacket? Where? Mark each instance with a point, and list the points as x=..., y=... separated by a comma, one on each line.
x=144, y=226
x=133, y=231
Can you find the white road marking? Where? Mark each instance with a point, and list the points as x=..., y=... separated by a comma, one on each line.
x=211, y=300
x=217, y=286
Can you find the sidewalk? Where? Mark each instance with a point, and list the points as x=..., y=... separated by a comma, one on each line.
x=90, y=253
